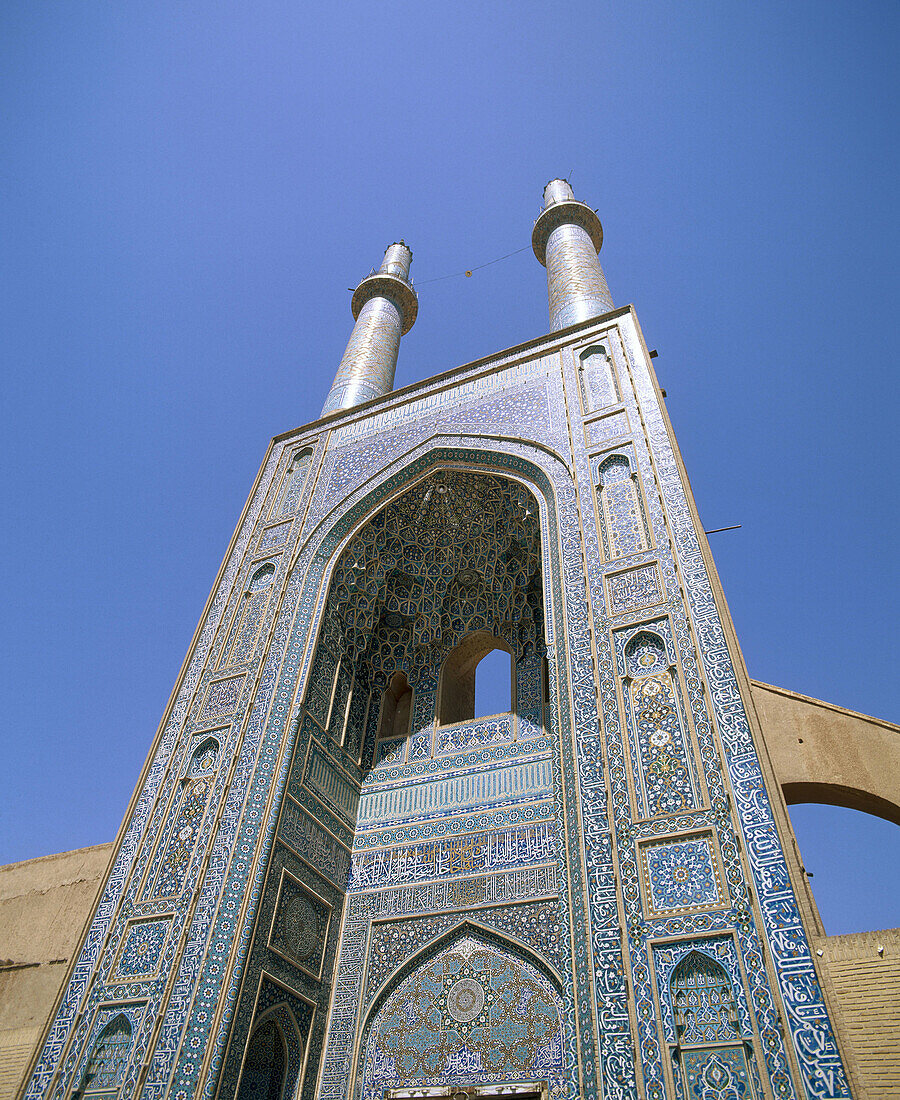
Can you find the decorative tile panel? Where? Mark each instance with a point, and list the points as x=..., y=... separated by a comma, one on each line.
x=472, y=1013
x=633, y=589
x=222, y=698
x=463, y=855
x=300, y=927
x=680, y=875
x=141, y=950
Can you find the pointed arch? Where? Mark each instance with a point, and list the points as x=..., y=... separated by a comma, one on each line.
x=292, y=483
x=456, y=683
x=470, y=994
x=265, y=1063
x=191, y=800
x=645, y=654
x=250, y=614
x=623, y=521
x=465, y=928
x=703, y=1001
x=597, y=378
x=108, y=1059
x=274, y=1053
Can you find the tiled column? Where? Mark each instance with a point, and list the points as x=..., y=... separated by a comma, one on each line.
x=566, y=239
x=384, y=307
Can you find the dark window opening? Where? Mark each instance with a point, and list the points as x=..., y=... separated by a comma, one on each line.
x=262, y=1077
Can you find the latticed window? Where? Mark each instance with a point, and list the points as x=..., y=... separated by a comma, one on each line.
x=106, y=1065
x=703, y=1001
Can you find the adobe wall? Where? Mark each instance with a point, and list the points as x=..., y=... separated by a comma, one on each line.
x=823, y=753
x=861, y=973
x=44, y=905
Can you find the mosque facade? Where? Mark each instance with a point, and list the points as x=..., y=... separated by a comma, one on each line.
x=334, y=880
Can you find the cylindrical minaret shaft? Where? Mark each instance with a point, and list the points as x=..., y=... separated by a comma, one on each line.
x=384, y=307
x=566, y=239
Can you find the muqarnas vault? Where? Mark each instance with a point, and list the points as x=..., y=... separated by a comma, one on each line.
x=335, y=881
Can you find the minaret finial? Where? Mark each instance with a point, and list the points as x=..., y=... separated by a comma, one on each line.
x=384, y=307
x=566, y=239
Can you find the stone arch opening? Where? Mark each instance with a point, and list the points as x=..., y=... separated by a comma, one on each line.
x=441, y=575
x=456, y=693
x=841, y=795
x=849, y=857
x=396, y=707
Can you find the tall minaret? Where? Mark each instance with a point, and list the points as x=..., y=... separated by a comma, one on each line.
x=384, y=307
x=566, y=239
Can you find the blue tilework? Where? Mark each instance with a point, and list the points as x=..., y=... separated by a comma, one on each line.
x=681, y=874
x=470, y=1013
x=502, y=857
x=141, y=950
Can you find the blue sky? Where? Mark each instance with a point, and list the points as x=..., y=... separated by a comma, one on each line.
x=190, y=189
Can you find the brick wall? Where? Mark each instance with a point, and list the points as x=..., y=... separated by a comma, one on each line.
x=862, y=973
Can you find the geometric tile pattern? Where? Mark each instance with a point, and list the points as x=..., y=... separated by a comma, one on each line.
x=719, y=1074
x=663, y=774
x=681, y=874
x=598, y=384
x=301, y=926
x=471, y=1013
x=141, y=950
x=624, y=526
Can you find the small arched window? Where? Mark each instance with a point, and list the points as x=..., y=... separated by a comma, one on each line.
x=493, y=684
x=396, y=707
x=265, y=1064
x=106, y=1065
x=456, y=697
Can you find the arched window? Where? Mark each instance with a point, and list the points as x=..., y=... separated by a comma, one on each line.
x=456, y=686
x=703, y=1002
x=598, y=383
x=493, y=684
x=396, y=705
x=265, y=1064
x=106, y=1065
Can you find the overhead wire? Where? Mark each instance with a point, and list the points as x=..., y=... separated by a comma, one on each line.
x=468, y=271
